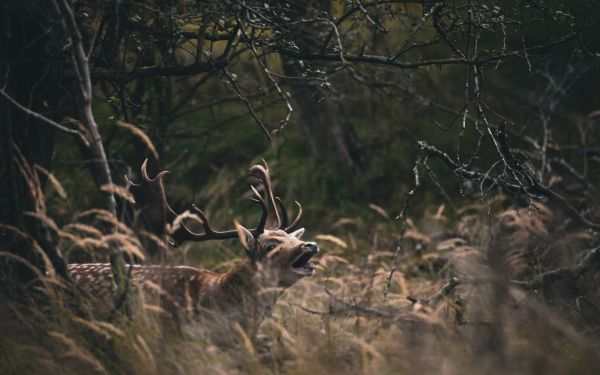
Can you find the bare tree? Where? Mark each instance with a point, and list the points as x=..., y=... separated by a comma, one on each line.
x=123, y=49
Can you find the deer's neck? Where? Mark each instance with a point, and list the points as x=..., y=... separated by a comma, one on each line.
x=244, y=290
x=238, y=284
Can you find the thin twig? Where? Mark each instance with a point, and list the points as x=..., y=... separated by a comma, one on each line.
x=589, y=262
x=402, y=216
x=45, y=119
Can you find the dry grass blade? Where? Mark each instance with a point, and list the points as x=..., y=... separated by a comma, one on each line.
x=155, y=309
x=92, y=326
x=154, y=238
x=450, y=244
x=245, y=339
x=154, y=287
x=105, y=216
x=178, y=222
x=417, y=236
x=440, y=212
x=140, y=134
x=119, y=191
x=146, y=352
x=367, y=347
x=87, y=229
x=92, y=243
x=75, y=239
x=329, y=259
x=48, y=222
x=74, y=351
x=333, y=239
x=129, y=244
x=111, y=328
x=18, y=259
x=380, y=210
x=33, y=183
x=38, y=249
x=53, y=180
x=345, y=221
x=15, y=230
x=280, y=329
x=80, y=126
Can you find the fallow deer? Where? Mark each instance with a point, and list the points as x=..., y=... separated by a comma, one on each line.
x=276, y=259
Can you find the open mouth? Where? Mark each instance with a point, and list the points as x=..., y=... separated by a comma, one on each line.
x=302, y=266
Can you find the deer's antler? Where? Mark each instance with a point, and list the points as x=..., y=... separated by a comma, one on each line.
x=284, y=216
x=274, y=219
x=183, y=234
x=150, y=196
x=261, y=172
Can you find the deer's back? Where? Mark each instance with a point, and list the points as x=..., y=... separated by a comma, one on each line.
x=169, y=287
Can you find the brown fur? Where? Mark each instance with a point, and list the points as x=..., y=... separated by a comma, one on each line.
x=246, y=294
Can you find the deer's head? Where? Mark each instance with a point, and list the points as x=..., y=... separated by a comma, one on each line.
x=283, y=256
x=273, y=246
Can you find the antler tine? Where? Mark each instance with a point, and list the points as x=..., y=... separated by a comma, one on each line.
x=144, y=170
x=284, y=215
x=183, y=233
x=297, y=219
x=145, y=177
x=149, y=196
x=209, y=233
x=264, y=163
x=265, y=213
x=261, y=172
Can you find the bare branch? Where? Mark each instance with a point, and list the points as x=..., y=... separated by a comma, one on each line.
x=402, y=216
x=441, y=293
x=588, y=263
x=39, y=116
x=536, y=189
x=80, y=62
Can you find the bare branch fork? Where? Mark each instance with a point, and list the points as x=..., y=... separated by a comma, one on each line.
x=102, y=169
x=346, y=307
x=80, y=62
x=402, y=216
x=588, y=263
x=251, y=44
x=39, y=116
x=435, y=298
x=535, y=190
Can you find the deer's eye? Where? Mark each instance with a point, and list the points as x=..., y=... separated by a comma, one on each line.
x=270, y=247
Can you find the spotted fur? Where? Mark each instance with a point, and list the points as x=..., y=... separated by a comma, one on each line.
x=245, y=294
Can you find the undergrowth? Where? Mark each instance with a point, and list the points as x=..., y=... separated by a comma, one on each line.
x=456, y=304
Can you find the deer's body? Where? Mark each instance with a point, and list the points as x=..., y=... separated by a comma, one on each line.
x=177, y=283
x=181, y=290
x=246, y=294
x=276, y=259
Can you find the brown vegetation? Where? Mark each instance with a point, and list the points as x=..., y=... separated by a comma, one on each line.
x=446, y=154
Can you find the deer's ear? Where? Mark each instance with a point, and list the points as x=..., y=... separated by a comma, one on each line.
x=246, y=238
x=298, y=233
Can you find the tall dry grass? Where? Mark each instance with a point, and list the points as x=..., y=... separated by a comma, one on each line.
x=455, y=304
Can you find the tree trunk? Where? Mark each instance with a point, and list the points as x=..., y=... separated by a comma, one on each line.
x=27, y=76
x=321, y=119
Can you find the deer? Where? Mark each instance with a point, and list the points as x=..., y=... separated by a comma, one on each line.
x=276, y=258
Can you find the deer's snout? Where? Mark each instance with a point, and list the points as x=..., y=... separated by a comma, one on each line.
x=311, y=247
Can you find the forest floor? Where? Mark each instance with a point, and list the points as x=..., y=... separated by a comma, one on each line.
x=455, y=304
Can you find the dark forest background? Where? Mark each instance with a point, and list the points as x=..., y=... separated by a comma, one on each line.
x=446, y=154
